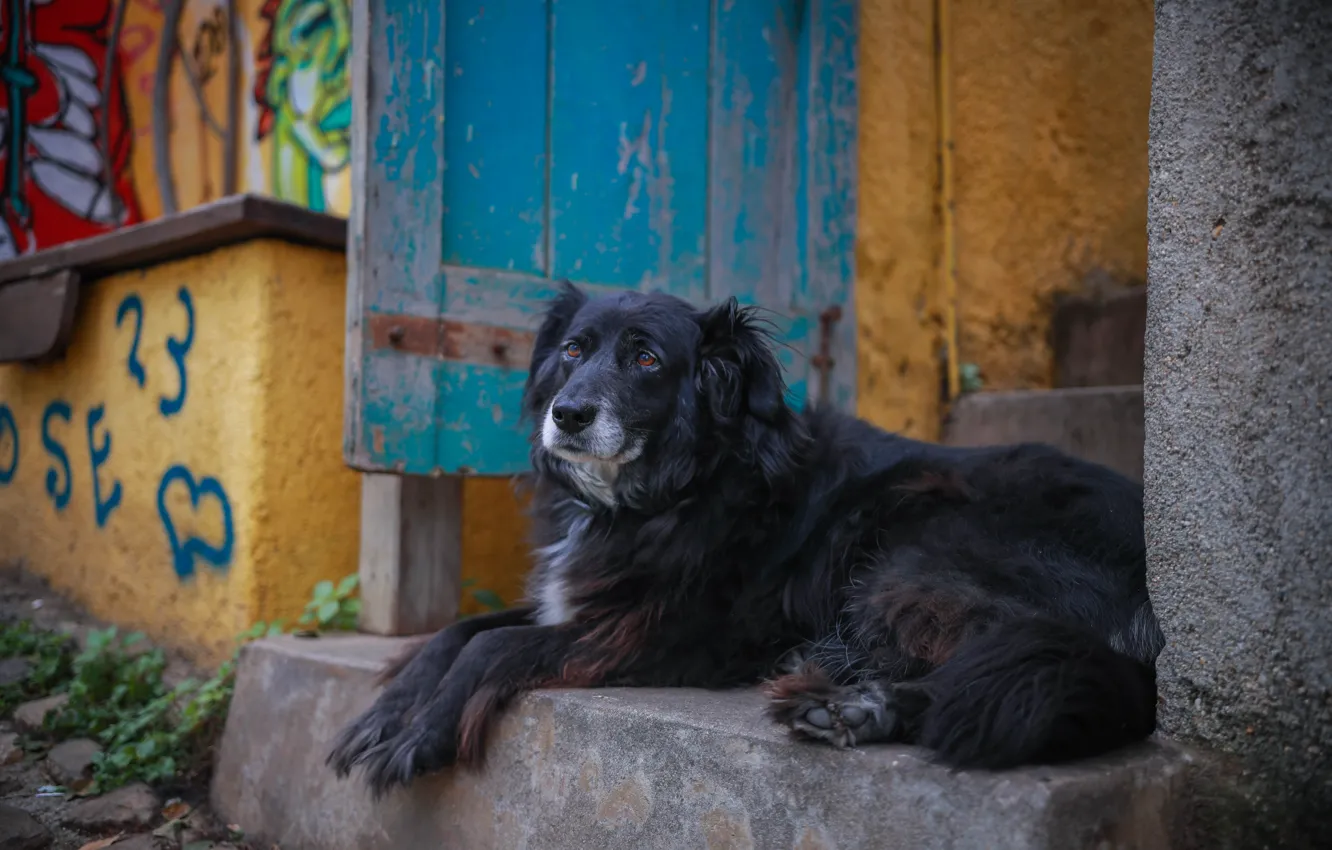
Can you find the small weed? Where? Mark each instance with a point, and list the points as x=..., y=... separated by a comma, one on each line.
x=488, y=599
x=333, y=607
x=48, y=654
x=151, y=732
x=969, y=375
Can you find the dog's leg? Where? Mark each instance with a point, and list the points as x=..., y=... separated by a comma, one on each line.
x=411, y=680
x=451, y=726
x=813, y=706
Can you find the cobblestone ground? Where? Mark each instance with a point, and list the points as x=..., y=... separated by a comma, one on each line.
x=33, y=817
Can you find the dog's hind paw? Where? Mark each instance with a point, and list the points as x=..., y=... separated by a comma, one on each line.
x=809, y=704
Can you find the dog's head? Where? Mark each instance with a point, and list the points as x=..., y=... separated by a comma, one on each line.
x=630, y=380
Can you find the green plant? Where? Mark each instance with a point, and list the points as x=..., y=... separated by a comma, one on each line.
x=969, y=376
x=149, y=732
x=488, y=599
x=117, y=693
x=49, y=656
x=110, y=680
x=333, y=606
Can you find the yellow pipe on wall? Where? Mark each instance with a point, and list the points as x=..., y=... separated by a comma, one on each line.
x=948, y=258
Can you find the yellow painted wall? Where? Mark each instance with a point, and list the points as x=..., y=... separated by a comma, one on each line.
x=1049, y=117
x=898, y=304
x=257, y=436
x=261, y=419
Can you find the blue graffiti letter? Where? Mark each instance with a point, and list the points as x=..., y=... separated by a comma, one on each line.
x=102, y=509
x=8, y=434
x=132, y=303
x=178, y=349
x=57, y=410
x=183, y=552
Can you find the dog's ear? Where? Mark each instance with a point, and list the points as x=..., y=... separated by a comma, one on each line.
x=554, y=326
x=738, y=373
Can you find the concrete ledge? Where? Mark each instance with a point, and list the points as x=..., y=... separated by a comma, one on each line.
x=1100, y=424
x=652, y=769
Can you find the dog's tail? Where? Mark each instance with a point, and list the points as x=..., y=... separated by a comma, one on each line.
x=1035, y=692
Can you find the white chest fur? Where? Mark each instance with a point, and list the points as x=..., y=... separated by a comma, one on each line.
x=552, y=577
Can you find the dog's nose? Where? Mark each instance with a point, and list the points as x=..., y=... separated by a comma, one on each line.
x=572, y=418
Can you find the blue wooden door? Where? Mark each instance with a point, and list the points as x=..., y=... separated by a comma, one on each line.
x=701, y=147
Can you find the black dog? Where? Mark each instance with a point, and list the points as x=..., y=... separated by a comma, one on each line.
x=693, y=530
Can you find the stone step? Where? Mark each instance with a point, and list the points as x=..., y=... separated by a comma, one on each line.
x=1098, y=339
x=1100, y=424
x=643, y=769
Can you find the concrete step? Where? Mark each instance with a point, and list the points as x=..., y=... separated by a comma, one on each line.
x=1100, y=424
x=643, y=769
x=1098, y=339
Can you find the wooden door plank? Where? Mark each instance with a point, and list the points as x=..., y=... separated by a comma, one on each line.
x=752, y=147
x=395, y=232
x=629, y=143
x=494, y=181
x=411, y=553
x=828, y=178
x=410, y=564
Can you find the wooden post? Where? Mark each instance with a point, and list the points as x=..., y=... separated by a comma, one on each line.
x=411, y=553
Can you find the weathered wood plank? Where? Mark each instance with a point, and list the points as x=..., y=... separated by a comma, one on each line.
x=411, y=553
x=204, y=228
x=752, y=147
x=828, y=178
x=37, y=316
x=494, y=181
x=629, y=143
x=396, y=217
x=505, y=299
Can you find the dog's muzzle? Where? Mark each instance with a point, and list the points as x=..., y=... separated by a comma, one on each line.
x=583, y=431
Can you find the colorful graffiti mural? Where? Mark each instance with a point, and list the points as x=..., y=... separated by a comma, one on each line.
x=116, y=111
x=304, y=95
x=66, y=133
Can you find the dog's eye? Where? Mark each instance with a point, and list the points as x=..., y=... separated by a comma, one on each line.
x=646, y=358
x=573, y=350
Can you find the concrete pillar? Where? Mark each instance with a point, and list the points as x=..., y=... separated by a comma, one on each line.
x=1239, y=399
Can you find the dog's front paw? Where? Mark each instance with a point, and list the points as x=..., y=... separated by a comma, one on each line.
x=361, y=737
x=416, y=751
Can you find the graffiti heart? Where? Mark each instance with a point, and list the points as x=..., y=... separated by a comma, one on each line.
x=186, y=549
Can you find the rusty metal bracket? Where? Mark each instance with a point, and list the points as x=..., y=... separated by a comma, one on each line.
x=823, y=361
x=447, y=339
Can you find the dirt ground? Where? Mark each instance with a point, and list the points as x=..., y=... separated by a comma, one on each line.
x=24, y=596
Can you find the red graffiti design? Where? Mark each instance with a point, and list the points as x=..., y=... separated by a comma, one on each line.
x=54, y=171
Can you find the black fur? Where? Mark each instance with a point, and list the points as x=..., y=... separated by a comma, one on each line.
x=692, y=530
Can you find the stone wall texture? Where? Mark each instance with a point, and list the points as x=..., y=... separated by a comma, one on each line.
x=1238, y=395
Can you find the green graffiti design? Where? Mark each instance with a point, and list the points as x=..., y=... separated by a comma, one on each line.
x=304, y=93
